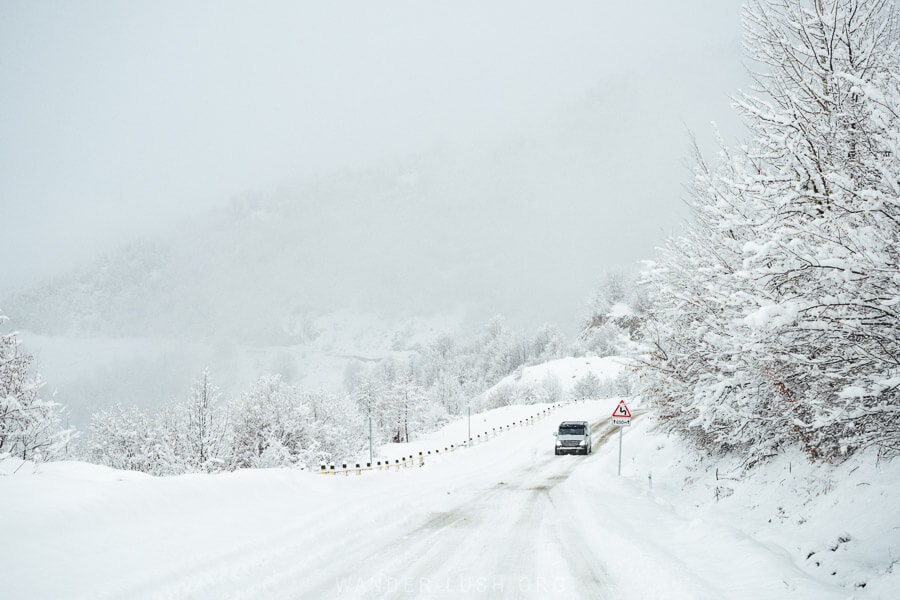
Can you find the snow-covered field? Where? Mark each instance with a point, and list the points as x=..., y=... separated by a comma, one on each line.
x=505, y=518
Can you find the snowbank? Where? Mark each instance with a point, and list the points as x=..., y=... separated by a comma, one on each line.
x=840, y=525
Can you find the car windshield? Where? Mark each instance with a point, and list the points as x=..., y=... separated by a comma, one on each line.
x=571, y=429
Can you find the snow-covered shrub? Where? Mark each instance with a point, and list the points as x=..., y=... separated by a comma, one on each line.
x=191, y=436
x=125, y=438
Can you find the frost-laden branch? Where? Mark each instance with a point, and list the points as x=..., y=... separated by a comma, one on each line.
x=774, y=320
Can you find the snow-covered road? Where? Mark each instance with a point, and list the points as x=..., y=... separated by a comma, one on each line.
x=504, y=519
x=505, y=538
x=482, y=524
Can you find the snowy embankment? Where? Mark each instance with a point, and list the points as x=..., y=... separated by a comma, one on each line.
x=504, y=518
x=564, y=373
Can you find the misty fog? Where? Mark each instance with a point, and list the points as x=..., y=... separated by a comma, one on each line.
x=119, y=120
x=208, y=177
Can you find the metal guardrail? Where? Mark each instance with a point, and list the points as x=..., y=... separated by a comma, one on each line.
x=410, y=461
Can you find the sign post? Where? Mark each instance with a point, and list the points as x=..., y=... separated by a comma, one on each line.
x=371, y=455
x=621, y=417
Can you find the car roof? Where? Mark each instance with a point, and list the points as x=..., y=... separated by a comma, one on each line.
x=574, y=423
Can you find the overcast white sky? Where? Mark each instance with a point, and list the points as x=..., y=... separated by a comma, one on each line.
x=117, y=118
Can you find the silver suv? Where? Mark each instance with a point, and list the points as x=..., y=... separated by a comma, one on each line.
x=573, y=437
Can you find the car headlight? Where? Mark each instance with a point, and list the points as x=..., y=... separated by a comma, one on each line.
x=558, y=443
x=582, y=443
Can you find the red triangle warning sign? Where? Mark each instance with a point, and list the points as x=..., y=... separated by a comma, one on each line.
x=622, y=411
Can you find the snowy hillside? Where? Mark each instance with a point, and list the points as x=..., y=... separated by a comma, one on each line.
x=503, y=519
x=418, y=235
x=563, y=374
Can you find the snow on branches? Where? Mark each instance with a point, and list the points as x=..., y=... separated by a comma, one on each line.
x=29, y=425
x=776, y=318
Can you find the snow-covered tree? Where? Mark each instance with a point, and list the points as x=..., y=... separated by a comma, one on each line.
x=128, y=438
x=369, y=397
x=30, y=427
x=271, y=426
x=446, y=391
x=548, y=343
x=827, y=266
x=404, y=407
x=774, y=319
x=200, y=428
x=338, y=428
x=587, y=387
x=612, y=316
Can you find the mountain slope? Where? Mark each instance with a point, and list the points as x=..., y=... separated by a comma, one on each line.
x=516, y=222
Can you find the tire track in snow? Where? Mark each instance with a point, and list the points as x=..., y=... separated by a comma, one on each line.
x=508, y=541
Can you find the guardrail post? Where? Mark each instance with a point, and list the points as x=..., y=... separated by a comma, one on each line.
x=358, y=470
x=323, y=469
x=421, y=459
